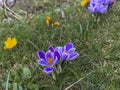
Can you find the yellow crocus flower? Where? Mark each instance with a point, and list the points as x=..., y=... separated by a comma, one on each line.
x=56, y=23
x=10, y=43
x=84, y=3
x=48, y=20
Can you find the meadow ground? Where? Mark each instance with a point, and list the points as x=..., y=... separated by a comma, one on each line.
x=97, y=67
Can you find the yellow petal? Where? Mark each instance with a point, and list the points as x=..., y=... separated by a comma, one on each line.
x=5, y=42
x=9, y=39
x=14, y=41
x=48, y=18
x=56, y=23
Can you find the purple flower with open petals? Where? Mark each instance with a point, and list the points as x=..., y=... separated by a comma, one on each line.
x=68, y=52
x=48, y=59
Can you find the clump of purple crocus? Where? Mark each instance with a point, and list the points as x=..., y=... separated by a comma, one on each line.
x=53, y=56
x=100, y=6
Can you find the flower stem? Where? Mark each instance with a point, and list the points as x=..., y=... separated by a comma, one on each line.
x=53, y=76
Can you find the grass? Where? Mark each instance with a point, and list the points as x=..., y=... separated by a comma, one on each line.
x=97, y=43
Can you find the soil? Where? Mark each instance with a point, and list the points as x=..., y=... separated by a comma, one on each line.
x=41, y=6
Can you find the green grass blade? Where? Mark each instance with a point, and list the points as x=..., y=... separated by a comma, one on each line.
x=7, y=81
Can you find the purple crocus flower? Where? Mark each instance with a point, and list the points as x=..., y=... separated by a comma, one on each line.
x=68, y=52
x=48, y=59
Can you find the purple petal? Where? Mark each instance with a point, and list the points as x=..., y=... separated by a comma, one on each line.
x=71, y=51
x=68, y=46
x=57, y=54
x=49, y=54
x=56, y=61
x=56, y=58
x=59, y=49
x=65, y=56
x=41, y=54
x=107, y=1
x=51, y=48
x=74, y=56
x=48, y=70
x=42, y=62
x=92, y=9
x=63, y=49
x=102, y=8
